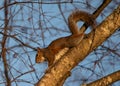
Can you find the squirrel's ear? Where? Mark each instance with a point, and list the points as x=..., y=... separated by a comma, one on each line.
x=38, y=49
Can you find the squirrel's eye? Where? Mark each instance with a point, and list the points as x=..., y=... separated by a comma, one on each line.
x=36, y=55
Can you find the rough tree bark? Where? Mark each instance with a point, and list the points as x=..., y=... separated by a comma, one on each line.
x=61, y=70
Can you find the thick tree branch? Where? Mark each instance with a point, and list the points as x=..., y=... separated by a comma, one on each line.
x=107, y=80
x=55, y=74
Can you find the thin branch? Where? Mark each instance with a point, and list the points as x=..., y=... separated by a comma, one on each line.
x=40, y=2
x=4, y=44
x=26, y=45
x=96, y=14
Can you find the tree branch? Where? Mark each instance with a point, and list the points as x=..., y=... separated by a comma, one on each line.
x=4, y=39
x=96, y=14
x=107, y=80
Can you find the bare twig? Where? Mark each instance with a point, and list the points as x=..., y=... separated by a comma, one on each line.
x=4, y=43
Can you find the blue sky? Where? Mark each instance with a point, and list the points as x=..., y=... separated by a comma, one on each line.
x=38, y=30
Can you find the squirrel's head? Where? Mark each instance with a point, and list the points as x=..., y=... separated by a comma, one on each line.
x=39, y=56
